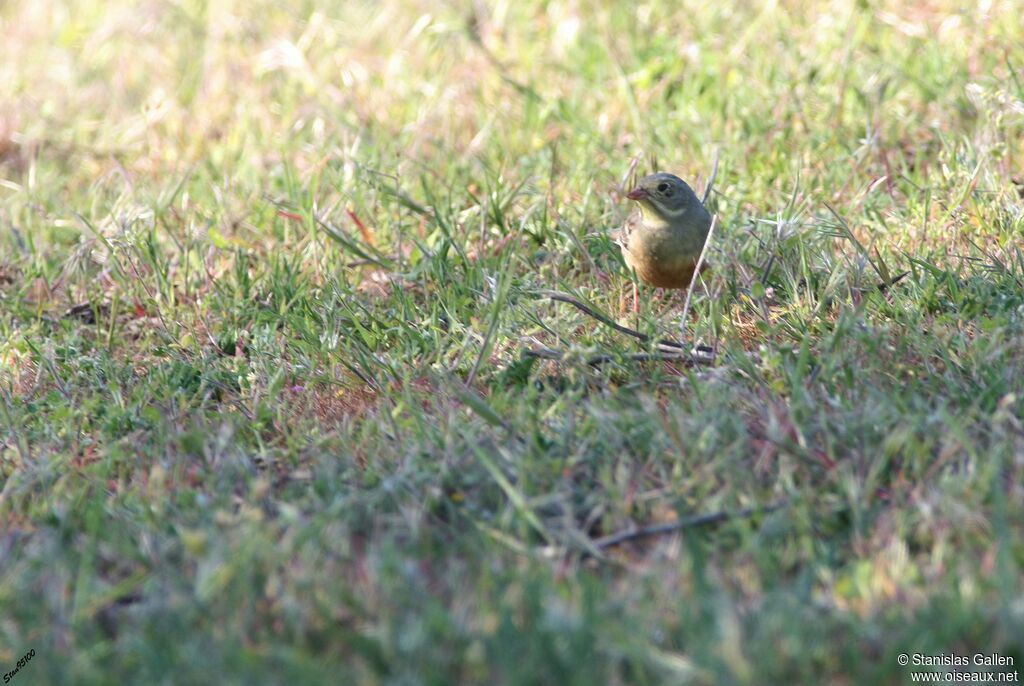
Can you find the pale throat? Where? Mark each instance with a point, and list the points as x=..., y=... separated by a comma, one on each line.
x=653, y=216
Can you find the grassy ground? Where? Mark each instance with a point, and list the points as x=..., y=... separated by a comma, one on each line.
x=268, y=272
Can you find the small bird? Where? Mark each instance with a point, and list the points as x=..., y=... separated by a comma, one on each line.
x=663, y=239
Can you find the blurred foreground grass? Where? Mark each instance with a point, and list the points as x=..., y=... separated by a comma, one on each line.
x=289, y=234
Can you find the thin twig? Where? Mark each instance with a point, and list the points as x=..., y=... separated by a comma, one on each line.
x=624, y=183
x=680, y=524
x=565, y=298
x=711, y=180
x=693, y=279
x=885, y=285
x=602, y=358
x=668, y=349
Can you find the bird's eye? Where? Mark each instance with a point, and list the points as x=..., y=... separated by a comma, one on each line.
x=662, y=187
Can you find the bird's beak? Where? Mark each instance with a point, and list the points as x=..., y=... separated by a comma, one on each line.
x=637, y=194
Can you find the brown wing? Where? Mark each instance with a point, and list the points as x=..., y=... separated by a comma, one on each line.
x=622, y=235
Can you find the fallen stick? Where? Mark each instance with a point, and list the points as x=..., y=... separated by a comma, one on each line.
x=594, y=361
x=566, y=298
x=693, y=279
x=680, y=524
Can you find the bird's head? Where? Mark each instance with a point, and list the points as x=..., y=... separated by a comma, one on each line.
x=663, y=195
